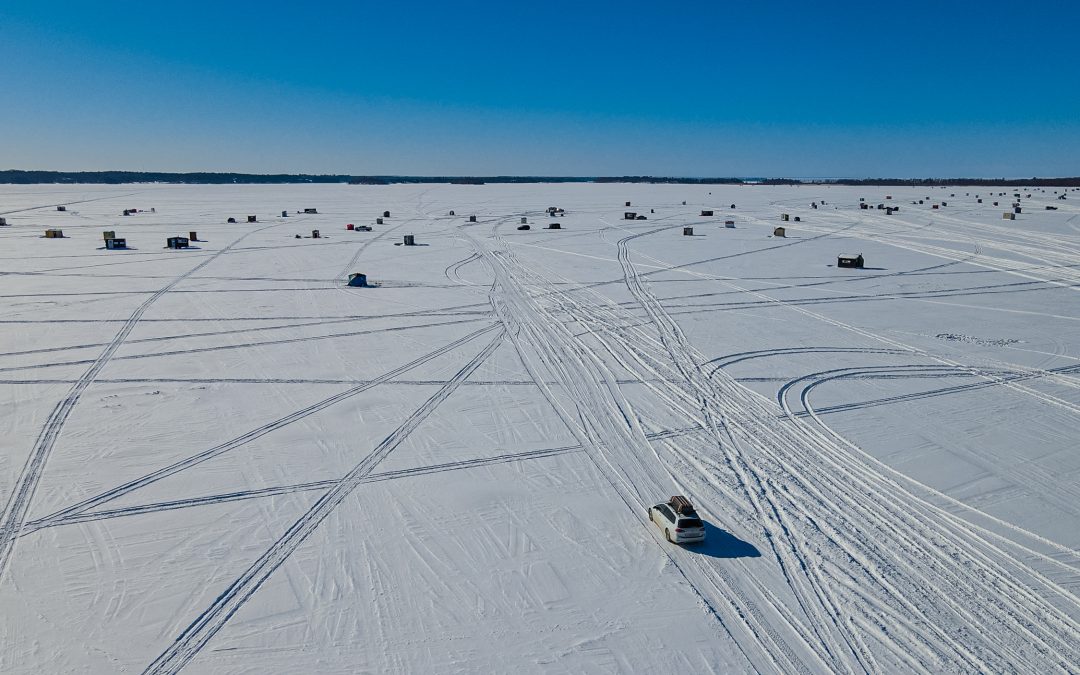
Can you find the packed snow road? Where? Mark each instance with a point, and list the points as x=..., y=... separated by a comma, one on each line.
x=225, y=459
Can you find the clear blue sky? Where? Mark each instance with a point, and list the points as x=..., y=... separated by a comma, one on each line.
x=545, y=88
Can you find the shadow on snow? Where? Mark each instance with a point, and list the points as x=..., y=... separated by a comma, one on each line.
x=723, y=544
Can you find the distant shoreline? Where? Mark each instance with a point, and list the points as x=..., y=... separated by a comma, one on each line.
x=23, y=177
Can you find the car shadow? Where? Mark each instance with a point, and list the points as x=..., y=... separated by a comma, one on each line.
x=723, y=544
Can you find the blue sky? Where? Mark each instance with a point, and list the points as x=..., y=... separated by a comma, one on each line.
x=809, y=89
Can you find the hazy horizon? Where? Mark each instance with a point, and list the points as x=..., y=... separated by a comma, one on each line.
x=570, y=178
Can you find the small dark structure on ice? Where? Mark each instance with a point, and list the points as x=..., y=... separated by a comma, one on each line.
x=849, y=260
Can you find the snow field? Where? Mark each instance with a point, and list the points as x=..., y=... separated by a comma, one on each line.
x=225, y=460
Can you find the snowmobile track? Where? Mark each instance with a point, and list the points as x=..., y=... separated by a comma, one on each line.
x=192, y=640
x=18, y=505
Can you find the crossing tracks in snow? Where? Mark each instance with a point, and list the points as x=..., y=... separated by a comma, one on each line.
x=15, y=511
x=881, y=579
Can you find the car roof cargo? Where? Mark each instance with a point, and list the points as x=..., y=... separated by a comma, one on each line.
x=682, y=505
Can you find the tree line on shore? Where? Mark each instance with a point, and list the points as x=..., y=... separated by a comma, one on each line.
x=30, y=177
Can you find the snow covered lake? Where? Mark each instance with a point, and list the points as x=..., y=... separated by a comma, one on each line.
x=224, y=459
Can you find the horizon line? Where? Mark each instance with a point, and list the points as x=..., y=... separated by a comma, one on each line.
x=36, y=176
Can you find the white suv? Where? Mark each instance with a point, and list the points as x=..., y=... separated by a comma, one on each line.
x=679, y=521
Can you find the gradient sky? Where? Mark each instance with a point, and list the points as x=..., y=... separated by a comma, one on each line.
x=802, y=89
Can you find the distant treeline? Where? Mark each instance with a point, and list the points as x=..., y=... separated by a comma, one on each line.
x=464, y=180
x=663, y=179
x=210, y=178
x=930, y=182
x=201, y=178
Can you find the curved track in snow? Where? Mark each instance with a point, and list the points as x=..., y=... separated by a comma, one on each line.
x=881, y=578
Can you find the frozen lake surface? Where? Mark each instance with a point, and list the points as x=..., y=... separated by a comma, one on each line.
x=223, y=459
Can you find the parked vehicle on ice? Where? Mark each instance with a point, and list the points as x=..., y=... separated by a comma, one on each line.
x=679, y=521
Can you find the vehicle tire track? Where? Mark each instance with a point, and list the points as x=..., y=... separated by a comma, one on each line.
x=191, y=641
x=363, y=247
x=259, y=493
x=947, y=594
x=812, y=595
x=931, y=562
x=194, y=460
x=256, y=493
x=54, y=204
x=248, y=345
x=602, y=420
x=22, y=494
x=453, y=271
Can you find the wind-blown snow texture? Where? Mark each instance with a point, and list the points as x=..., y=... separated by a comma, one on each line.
x=224, y=459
